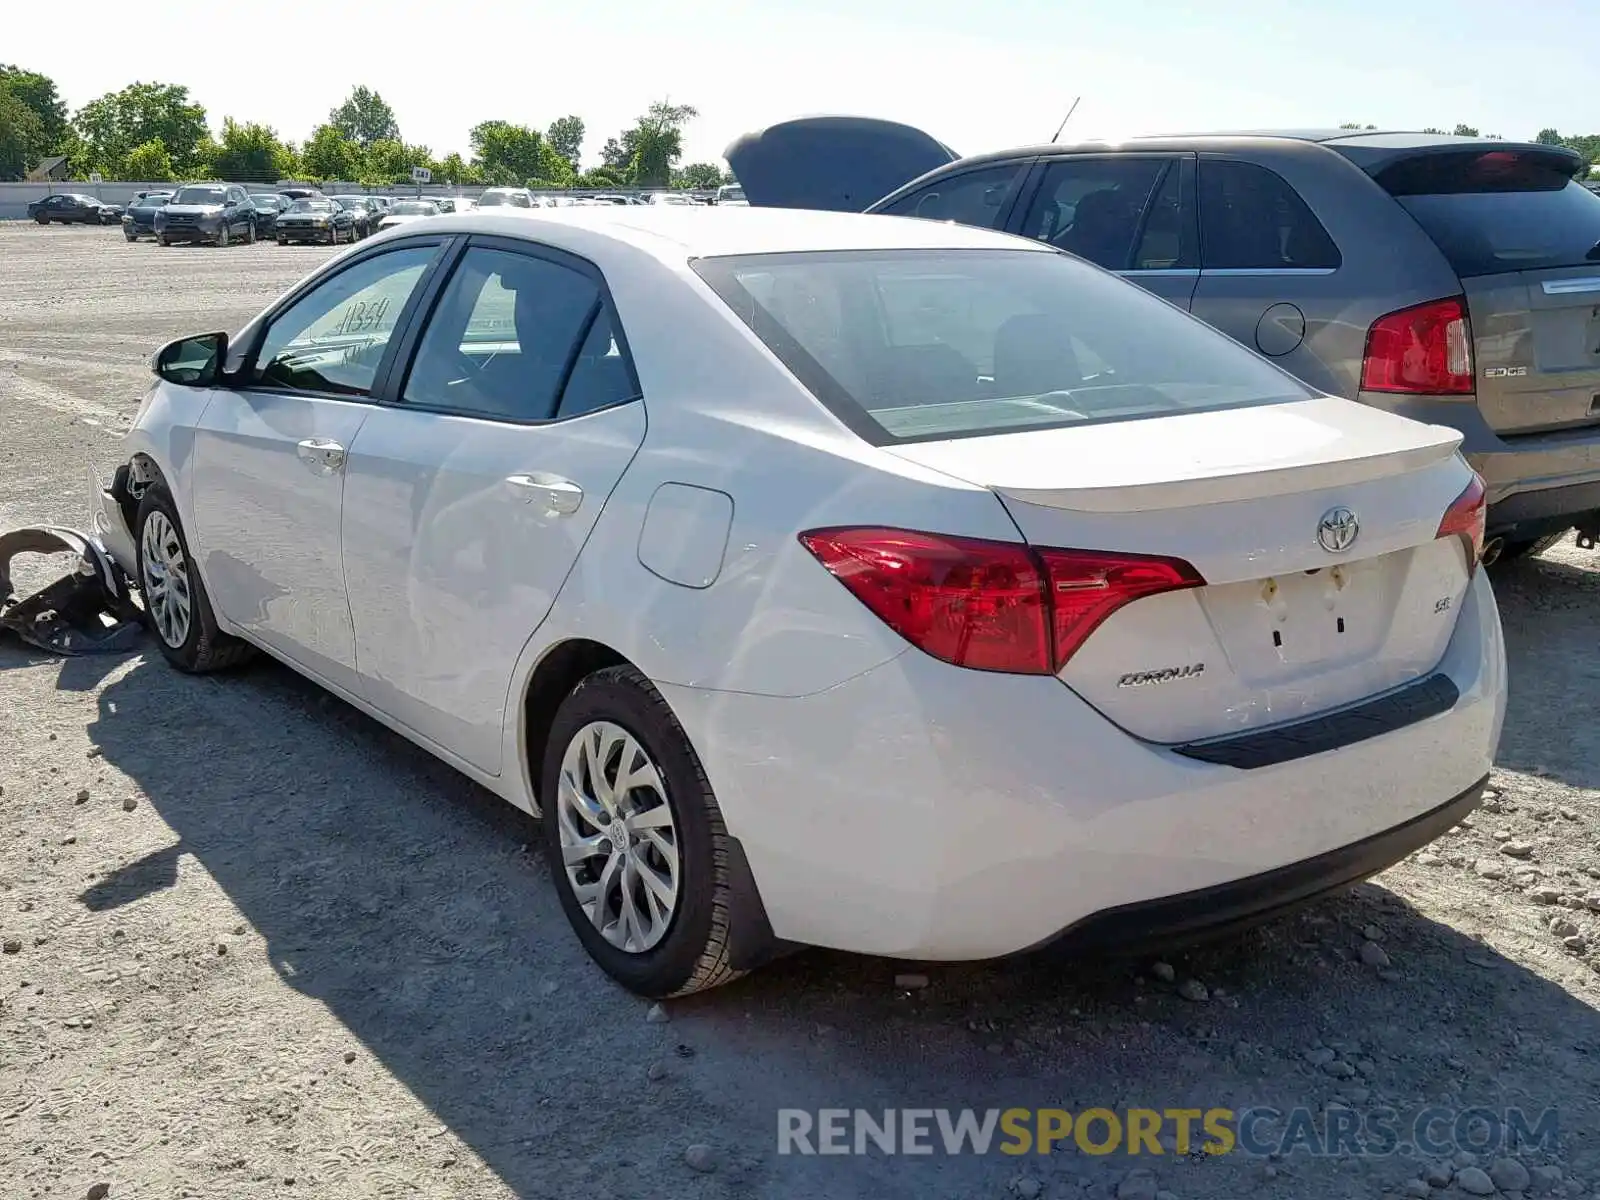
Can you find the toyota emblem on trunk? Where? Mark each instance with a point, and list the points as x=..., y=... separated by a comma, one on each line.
x=1337, y=530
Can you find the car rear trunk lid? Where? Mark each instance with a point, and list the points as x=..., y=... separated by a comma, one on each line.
x=1524, y=238
x=1283, y=627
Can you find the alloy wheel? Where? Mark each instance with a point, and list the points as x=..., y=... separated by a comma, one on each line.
x=619, y=845
x=166, y=579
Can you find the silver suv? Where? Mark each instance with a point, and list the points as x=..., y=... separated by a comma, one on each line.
x=1454, y=280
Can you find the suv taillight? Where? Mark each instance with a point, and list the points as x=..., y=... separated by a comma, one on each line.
x=1425, y=351
x=990, y=606
x=1466, y=518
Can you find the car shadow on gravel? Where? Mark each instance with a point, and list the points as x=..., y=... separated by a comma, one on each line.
x=1548, y=607
x=408, y=901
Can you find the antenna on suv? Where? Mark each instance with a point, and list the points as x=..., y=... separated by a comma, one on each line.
x=1064, y=120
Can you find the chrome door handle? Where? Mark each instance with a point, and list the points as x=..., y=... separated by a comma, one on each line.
x=560, y=497
x=321, y=455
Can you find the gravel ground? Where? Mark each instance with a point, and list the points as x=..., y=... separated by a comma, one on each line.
x=254, y=945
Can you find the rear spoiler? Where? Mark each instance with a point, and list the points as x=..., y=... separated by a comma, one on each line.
x=838, y=164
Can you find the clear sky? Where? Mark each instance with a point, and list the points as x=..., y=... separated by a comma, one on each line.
x=978, y=76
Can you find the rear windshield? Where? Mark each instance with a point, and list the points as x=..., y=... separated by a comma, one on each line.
x=915, y=345
x=515, y=199
x=265, y=201
x=1498, y=211
x=314, y=206
x=415, y=208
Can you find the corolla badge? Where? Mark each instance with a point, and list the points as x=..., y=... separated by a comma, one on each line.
x=1337, y=530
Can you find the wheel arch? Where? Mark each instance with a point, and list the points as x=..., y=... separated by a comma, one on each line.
x=560, y=669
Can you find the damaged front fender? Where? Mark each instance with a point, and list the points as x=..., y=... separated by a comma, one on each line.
x=89, y=611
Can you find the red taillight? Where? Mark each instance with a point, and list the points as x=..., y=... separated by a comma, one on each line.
x=991, y=606
x=1466, y=518
x=1426, y=350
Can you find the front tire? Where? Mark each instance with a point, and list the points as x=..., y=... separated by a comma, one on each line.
x=224, y=236
x=641, y=868
x=250, y=234
x=163, y=240
x=42, y=218
x=131, y=236
x=177, y=609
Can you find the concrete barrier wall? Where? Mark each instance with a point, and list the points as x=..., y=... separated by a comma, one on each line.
x=15, y=197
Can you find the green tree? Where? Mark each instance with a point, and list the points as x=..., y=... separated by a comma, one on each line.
x=251, y=152
x=1356, y=125
x=111, y=126
x=655, y=143
x=1466, y=131
x=565, y=137
x=149, y=162
x=328, y=154
x=365, y=118
x=1549, y=137
x=600, y=179
x=614, y=157
x=453, y=169
x=38, y=92
x=555, y=171
x=506, y=153
x=21, y=137
x=698, y=175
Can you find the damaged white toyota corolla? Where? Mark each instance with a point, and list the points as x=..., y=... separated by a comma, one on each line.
x=832, y=580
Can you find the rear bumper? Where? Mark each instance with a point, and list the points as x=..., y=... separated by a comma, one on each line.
x=1228, y=907
x=922, y=811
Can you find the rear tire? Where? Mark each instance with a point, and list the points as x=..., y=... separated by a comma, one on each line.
x=177, y=609
x=250, y=234
x=1528, y=547
x=616, y=715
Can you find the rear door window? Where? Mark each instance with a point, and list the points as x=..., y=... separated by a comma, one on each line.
x=973, y=198
x=1097, y=208
x=1252, y=220
x=1499, y=210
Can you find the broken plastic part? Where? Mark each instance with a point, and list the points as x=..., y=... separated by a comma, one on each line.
x=88, y=611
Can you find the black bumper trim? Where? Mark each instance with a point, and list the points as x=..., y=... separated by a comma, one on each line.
x=1284, y=743
x=1554, y=508
x=1225, y=908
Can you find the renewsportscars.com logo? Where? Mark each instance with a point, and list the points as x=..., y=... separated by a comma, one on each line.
x=1260, y=1131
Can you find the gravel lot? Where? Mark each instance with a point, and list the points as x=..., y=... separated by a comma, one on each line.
x=257, y=946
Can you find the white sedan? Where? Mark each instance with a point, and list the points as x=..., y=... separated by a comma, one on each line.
x=403, y=212
x=825, y=579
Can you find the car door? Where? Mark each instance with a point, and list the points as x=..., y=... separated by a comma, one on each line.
x=1130, y=213
x=1269, y=271
x=472, y=488
x=270, y=453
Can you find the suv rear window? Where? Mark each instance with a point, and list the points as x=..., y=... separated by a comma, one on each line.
x=1491, y=211
x=915, y=345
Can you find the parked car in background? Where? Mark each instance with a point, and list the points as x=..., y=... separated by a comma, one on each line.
x=300, y=192
x=731, y=193
x=365, y=211
x=139, y=218
x=1455, y=280
x=676, y=198
x=454, y=204
x=403, y=212
x=613, y=198
x=70, y=208
x=1201, y=643
x=317, y=219
x=215, y=213
x=506, y=197
x=268, y=205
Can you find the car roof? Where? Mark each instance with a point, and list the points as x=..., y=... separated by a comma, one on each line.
x=675, y=233
x=1343, y=139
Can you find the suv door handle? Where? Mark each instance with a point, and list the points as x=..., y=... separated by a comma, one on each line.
x=323, y=456
x=560, y=497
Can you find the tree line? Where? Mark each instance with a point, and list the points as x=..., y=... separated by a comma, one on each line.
x=155, y=132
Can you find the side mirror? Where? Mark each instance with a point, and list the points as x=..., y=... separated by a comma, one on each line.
x=192, y=361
